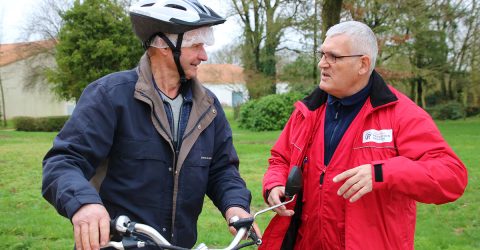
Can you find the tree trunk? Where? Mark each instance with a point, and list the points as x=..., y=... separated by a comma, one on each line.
x=315, y=43
x=271, y=42
x=330, y=14
x=4, y=115
x=450, y=89
x=412, y=91
x=419, y=97
x=443, y=85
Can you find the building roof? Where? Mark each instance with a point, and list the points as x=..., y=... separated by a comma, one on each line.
x=13, y=52
x=220, y=74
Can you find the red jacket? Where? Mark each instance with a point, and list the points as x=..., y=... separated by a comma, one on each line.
x=410, y=162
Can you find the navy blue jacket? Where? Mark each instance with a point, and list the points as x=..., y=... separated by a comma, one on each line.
x=120, y=122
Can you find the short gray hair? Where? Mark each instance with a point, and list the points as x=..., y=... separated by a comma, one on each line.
x=363, y=39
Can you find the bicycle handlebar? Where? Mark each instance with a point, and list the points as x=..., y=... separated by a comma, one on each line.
x=130, y=231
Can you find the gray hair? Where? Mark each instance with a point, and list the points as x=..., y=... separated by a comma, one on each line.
x=362, y=37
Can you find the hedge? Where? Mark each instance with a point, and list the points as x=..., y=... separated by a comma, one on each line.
x=268, y=113
x=447, y=111
x=45, y=124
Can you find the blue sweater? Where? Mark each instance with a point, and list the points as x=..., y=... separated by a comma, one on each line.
x=340, y=114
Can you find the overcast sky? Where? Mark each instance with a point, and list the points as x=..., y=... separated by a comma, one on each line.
x=14, y=13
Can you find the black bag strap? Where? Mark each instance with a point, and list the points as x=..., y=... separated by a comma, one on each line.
x=290, y=237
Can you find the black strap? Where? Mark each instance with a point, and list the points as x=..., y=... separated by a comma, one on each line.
x=291, y=234
x=290, y=237
x=176, y=51
x=378, y=172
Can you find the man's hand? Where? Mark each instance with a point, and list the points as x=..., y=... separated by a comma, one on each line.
x=274, y=198
x=358, y=182
x=241, y=213
x=91, y=226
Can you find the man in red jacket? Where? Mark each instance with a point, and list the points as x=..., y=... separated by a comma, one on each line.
x=367, y=152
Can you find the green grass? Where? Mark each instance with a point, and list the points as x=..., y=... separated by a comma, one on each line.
x=456, y=225
x=10, y=125
x=29, y=222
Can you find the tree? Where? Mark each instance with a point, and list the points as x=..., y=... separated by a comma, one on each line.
x=264, y=22
x=304, y=58
x=330, y=14
x=2, y=112
x=96, y=39
x=402, y=28
x=228, y=54
x=46, y=21
x=299, y=74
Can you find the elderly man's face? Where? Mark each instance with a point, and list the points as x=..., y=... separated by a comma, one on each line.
x=340, y=76
x=192, y=57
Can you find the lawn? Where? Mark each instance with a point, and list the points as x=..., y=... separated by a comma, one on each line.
x=29, y=222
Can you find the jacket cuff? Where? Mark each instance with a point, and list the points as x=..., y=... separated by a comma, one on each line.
x=76, y=203
x=268, y=188
x=235, y=205
x=267, y=193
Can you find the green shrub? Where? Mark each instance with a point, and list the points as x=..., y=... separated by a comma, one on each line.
x=50, y=124
x=472, y=111
x=23, y=123
x=268, y=113
x=447, y=111
x=247, y=112
x=45, y=124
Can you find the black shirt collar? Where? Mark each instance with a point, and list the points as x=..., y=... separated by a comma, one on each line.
x=360, y=96
x=379, y=93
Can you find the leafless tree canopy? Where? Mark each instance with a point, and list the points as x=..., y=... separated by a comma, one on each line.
x=45, y=22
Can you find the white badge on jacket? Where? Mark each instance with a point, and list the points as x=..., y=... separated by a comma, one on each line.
x=377, y=136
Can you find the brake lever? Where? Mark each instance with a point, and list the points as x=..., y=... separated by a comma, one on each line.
x=253, y=235
x=273, y=207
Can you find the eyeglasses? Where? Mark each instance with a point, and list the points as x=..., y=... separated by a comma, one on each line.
x=330, y=58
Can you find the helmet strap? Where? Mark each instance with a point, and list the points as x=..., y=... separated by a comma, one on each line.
x=176, y=51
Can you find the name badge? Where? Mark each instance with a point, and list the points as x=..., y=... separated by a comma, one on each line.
x=378, y=136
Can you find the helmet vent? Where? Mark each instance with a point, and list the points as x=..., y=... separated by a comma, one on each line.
x=147, y=5
x=200, y=7
x=176, y=6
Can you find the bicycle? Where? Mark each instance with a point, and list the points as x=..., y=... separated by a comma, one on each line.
x=137, y=235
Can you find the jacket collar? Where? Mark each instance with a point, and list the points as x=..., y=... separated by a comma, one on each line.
x=379, y=94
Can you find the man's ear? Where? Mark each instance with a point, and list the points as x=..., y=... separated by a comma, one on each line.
x=365, y=65
x=166, y=51
x=156, y=51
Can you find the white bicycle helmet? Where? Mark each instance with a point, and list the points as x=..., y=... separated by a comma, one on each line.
x=151, y=18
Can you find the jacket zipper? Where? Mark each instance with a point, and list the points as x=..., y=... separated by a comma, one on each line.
x=305, y=159
x=322, y=175
x=176, y=172
x=177, y=152
x=173, y=148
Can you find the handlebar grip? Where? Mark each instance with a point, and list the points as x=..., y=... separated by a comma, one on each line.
x=244, y=222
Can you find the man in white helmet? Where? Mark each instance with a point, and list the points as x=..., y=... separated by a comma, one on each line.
x=165, y=137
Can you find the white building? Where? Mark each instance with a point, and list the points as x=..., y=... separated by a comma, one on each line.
x=25, y=90
x=226, y=81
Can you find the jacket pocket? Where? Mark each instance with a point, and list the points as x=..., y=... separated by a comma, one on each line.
x=201, y=154
x=141, y=171
x=143, y=150
x=194, y=174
